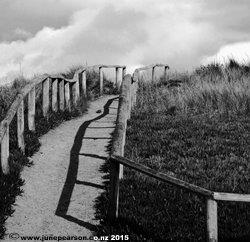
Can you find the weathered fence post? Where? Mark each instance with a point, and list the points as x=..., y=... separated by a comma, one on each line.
x=212, y=227
x=124, y=114
x=46, y=96
x=84, y=84
x=165, y=72
x=114, y=190
x=101, y=80
x=67, y=96
x=76, y=91
x=20, y=126
x=130, y=96
x=61, y=94
x=135, y=81
x=117, y=82
x=153, y=73
x=31, y=108
x=54, y=95
x=116, y=171
x=123, y=75
x=5, y=150
x=123, y=72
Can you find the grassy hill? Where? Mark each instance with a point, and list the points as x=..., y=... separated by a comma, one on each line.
x=196, y=127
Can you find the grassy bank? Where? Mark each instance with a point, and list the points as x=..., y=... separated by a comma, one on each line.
x=10, y=185
x=195, y=127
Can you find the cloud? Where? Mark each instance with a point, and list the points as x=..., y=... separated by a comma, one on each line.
x=238, y=51
x=92, y=36
x=32, y=16
x=53, y=35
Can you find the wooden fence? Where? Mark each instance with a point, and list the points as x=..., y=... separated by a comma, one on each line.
x=126, y=102
x=68, y=91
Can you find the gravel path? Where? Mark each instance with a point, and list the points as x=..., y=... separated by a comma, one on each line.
x=61, y=187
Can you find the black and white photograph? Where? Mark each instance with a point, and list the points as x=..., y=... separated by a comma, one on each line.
x=125, y=120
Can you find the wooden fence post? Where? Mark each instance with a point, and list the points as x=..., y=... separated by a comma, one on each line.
x=67, y=96
x=117, y=81
x=123, y=72
x=153, y=73
x=31, y=109
x=84, y=84
x=46, y=97
x=20, y=126
x=133, y=93
x=5, y=151
x=165, y=72
x=114, y=190
x=130, y=97
x=123, y=75
x=76, y=92
x=61, y=94
x=134, y=87
x=116, y=171
x=54, y=95
x=212, y=227
x=101, y=80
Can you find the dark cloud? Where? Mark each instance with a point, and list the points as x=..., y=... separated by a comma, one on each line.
x=230, y=18
x=31, y=16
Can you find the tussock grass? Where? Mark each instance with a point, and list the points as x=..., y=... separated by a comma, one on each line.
x=8, y=94
x=194, y=127
x=214, y=89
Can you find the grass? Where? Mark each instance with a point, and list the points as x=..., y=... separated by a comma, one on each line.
x=10, y=185
x=194, y=127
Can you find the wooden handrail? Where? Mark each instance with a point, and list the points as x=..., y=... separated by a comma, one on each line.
x=37, y=80
x=117, y=159
x=231, y=197
x=161, y=176
x=152, y=66
x=218, y=196
x=112, y=66
x=60, y=85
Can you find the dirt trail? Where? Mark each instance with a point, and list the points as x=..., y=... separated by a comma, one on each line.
x=61, y=187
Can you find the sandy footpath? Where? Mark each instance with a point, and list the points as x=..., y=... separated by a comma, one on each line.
x=61, y=187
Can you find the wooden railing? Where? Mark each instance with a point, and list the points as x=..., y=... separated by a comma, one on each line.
x=68, y=91
x=126, y=101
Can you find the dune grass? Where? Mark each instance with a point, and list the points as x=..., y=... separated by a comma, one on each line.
x=195, y=127
x=10, y=185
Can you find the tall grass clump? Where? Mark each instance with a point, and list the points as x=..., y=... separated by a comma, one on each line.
x=209, y=89
x=195, y=127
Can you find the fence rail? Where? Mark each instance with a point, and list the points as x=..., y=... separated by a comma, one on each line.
x=161, y=176
x=66, y=89
x=126, y=103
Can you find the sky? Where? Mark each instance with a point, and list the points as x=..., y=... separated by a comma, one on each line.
x=50, y=36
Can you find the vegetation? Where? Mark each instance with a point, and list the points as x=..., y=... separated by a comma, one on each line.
x=194, y=127
x=10, y=185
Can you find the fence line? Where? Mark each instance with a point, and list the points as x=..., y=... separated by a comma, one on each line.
x=63, y=88
x=66, y=89
x=117, y=160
